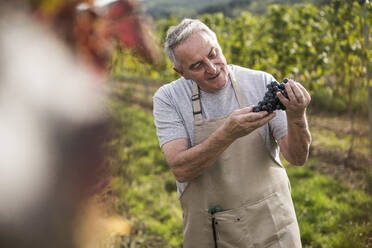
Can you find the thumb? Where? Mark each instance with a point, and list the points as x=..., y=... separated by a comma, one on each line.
x=245, y=110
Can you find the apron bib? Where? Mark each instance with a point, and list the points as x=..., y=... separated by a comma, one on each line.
x=250, y=188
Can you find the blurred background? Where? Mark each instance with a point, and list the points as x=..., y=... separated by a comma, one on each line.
x=109, y=54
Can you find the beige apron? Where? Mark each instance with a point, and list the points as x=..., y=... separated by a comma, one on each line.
x=250, y=187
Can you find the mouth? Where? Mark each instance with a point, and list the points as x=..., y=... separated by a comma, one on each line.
x=216, y=76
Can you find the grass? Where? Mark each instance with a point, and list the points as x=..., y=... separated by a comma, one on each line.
x=333, y=132
x=328, y=139
x=330, y=215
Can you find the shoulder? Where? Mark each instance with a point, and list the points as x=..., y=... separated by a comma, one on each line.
x=242, y=73
x=176, y=94
x=170, y=90
x=252, y=81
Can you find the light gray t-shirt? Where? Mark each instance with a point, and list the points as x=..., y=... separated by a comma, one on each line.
x=173, y=112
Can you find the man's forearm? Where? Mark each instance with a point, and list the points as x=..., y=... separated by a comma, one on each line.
x=298, y=140
x=193, y=162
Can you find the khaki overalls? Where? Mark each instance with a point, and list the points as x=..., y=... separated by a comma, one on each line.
x=250, y=187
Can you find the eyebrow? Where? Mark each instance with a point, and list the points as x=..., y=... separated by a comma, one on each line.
x=194, y=64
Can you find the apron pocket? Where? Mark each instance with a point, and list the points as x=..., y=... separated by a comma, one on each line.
x=231, y=229
x=255, y=224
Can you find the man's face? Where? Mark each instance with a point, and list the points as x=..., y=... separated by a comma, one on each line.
x=201, y=60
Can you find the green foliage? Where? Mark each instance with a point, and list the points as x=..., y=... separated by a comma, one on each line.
x=321, y=48
x=348, y=54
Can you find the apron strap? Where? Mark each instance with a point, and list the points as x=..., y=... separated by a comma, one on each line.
x=196, y=104
x=236, y=87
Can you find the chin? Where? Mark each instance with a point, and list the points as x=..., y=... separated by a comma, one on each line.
x=222, y=79
x=220, y=83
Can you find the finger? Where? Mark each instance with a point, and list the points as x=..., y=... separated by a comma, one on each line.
x=265, y=119
x=245, y=110
x=254, y=116
x=298, y=92
x=282, y=99
x=305, y=93
x=290, y=92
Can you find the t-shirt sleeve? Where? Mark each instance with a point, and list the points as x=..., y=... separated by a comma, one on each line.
x=278, y=125
x=169, y=123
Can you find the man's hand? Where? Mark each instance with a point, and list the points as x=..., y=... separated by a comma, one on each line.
x=298, y=100
x=243, y=121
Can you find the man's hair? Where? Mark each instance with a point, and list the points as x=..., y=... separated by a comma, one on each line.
x=177, y=34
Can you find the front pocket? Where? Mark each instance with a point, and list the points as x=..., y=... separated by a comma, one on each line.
x=257, y=224
x=231, y=229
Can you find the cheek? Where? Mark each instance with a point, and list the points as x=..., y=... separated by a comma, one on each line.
x=200, y=75
x=196, y=75
x=221, y=59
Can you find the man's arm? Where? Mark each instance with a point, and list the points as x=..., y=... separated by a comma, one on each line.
x=295, y=145
x=187, y=163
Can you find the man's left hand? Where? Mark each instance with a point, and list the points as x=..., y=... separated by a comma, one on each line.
x=298, y=100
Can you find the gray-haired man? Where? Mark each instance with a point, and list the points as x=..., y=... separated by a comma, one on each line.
x=234, y=192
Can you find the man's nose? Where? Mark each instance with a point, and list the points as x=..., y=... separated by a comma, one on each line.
x=210, y=67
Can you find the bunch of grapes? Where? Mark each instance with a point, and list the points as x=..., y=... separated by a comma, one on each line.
x=271, y=102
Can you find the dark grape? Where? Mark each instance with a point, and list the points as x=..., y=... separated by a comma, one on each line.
x=271, y=102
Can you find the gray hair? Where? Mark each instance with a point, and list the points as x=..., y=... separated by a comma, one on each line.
x=177, y=34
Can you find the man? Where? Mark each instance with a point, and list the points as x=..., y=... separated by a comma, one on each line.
x=234, y=192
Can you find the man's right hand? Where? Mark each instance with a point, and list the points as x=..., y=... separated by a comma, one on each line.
x=243, y=121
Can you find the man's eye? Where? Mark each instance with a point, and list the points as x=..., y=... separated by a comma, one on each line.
x=212, y=54
x=197, y=66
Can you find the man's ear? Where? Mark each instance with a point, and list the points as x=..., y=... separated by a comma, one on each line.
x=181, y=73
